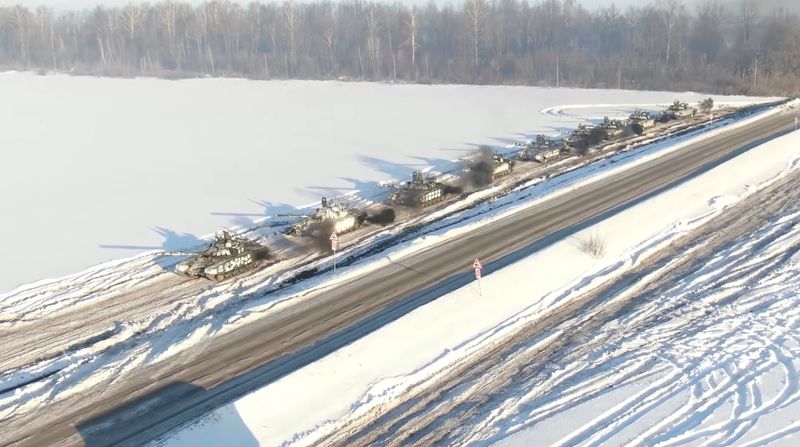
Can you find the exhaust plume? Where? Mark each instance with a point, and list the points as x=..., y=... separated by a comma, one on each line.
x=479, y=172
x=384, y=217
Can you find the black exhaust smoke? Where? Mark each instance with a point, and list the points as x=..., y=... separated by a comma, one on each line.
x=449, y=189
x=384, y=217
x=262, y=254
x=321, y=237
x=480, y=170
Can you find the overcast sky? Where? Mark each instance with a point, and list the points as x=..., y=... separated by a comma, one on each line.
x=81, y=4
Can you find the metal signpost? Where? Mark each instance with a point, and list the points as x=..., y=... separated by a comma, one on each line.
x=334, y=246
x=476, y=265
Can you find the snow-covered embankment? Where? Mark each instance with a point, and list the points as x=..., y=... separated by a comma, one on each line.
x=365, y=376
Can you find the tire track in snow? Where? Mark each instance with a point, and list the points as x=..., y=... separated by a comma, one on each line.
x=468, y=406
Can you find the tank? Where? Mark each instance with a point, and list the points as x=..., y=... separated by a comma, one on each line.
x=542, y=150
x=580, y=137
x=331, y=216
x=501, y=166
x=613, y=128
x=486, y=167
x=642, y=118
x=419, y=192
x=226, y=257
x=679, y=110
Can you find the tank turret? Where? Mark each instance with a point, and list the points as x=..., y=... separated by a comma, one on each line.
x=485, y=167
x=584, y=136
x=679, y=110
x=501, y=166
x=613, y=128
x=227, y=256
x=542, y=150
x=419, y=192
x=643, y=119
x=331, y=216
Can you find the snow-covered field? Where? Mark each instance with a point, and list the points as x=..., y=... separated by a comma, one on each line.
x=731, y=378
x=97, y=169
x=718, y=364
x=166, y=315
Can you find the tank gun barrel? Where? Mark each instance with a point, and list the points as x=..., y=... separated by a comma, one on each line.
x=292, y=215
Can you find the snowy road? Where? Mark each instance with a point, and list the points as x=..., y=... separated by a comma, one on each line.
x=212, y=366
x=699, y=347
x=278, y=146
x=139, y=297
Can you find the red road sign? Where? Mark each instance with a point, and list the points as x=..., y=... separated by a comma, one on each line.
x=334, y=242
x=478, y=268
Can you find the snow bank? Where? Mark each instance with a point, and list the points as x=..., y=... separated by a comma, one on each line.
x=195, y=312
x=365, y=375
x=100, y=168
x=716, y=365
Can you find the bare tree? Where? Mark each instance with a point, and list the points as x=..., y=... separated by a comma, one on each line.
x=657, y=45
x=593, y=244
x=291, y=28
x=168, y=12
x=708, y=36
x=476, y=10
x=20, y=19
x=749, y=14
x=329, y=34
x=132, y=18
x=707, y=105
x=412, y=27
x=373, y=39
x=670, y=12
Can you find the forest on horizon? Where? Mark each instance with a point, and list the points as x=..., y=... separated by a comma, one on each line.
x=733, y=48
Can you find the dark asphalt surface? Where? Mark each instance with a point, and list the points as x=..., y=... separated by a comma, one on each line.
x=151, y=401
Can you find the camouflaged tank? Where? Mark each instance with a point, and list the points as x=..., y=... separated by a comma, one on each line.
x=226, y=257
x=501, y=166
x=679, y=110
x=642, y=118
x=486, y=167
x=542, y=150
x=613, y=128
x=579, y=137
x=419, y=192
x=329, y=217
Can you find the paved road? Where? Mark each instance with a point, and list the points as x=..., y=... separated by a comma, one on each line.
x=153, y=400
x=445, y=411
x=46, y=337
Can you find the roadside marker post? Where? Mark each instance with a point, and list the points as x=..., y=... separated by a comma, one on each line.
x=334, y=246
x=476, y=265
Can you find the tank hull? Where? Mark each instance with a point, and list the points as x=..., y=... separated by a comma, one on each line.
x=502, y=170
x=541, y=155
x=234, y=266
x=341, y=225
x=683, y=113
x=220, y=262
x=346, y=224
x=679, y=110
x=545, y=156
x=418, y=199
x=646, y=123
x=330, y=217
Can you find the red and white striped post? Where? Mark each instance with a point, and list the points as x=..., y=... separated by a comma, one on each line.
x=476, y=265
x=334, y=246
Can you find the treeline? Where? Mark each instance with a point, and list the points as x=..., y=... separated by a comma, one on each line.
x=731, y=48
